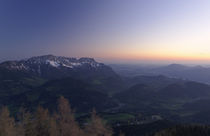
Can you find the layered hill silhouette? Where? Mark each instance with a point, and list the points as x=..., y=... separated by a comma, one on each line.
x=194, y=73
x=88, y=84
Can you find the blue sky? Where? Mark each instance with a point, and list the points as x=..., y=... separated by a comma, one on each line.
x=108, y=30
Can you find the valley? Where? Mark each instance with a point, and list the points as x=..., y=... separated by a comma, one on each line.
x=87, y=84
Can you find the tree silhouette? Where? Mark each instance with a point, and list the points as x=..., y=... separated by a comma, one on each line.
x=42, y=123
x=97, y=127
x=66, y=122
x=7, y=123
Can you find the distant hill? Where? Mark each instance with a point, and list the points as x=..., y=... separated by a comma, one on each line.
x=174, y=101
x=193, y=73
x=156, y=82
x=187, y=90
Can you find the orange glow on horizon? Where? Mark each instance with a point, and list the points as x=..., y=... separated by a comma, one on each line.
x=158, y=56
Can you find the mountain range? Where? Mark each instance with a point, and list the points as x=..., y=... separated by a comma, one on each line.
x=88, y=84
x=44, y=66
x=194, y=73
x=51, y=67
x=41, y=80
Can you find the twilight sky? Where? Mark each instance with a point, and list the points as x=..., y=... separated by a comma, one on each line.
x=108, y=30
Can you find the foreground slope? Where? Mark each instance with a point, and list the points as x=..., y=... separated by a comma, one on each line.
x=81, y=95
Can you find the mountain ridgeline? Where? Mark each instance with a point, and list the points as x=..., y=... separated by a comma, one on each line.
x=53, y=67
x=194, y=73
x=88, y=84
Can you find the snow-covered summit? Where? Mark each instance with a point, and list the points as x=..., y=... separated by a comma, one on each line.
x=50, y=61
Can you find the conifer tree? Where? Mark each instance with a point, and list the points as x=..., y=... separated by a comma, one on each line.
x=66, y=122
x=42, y=122
x=7, y=123
x=53, y=126
x=97, y=127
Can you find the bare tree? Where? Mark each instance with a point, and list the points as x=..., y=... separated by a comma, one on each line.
x=97, y=127
x=7, y=123
x=121, y=134
x=53, y=126
x=26, y=125
x=66, y=121
x=42, y=122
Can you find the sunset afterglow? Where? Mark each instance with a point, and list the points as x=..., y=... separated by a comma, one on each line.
x=135, y=30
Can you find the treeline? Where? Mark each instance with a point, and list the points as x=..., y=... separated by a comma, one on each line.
x=186, y=130
x=42, y=123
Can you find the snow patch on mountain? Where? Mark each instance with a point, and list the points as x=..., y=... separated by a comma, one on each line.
x=64, y=65
x=53, y=63
x=36, y=63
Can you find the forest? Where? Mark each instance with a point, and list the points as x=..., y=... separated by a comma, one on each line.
x=43, y=123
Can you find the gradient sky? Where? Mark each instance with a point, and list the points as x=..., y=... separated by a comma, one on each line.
x=108, y=30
